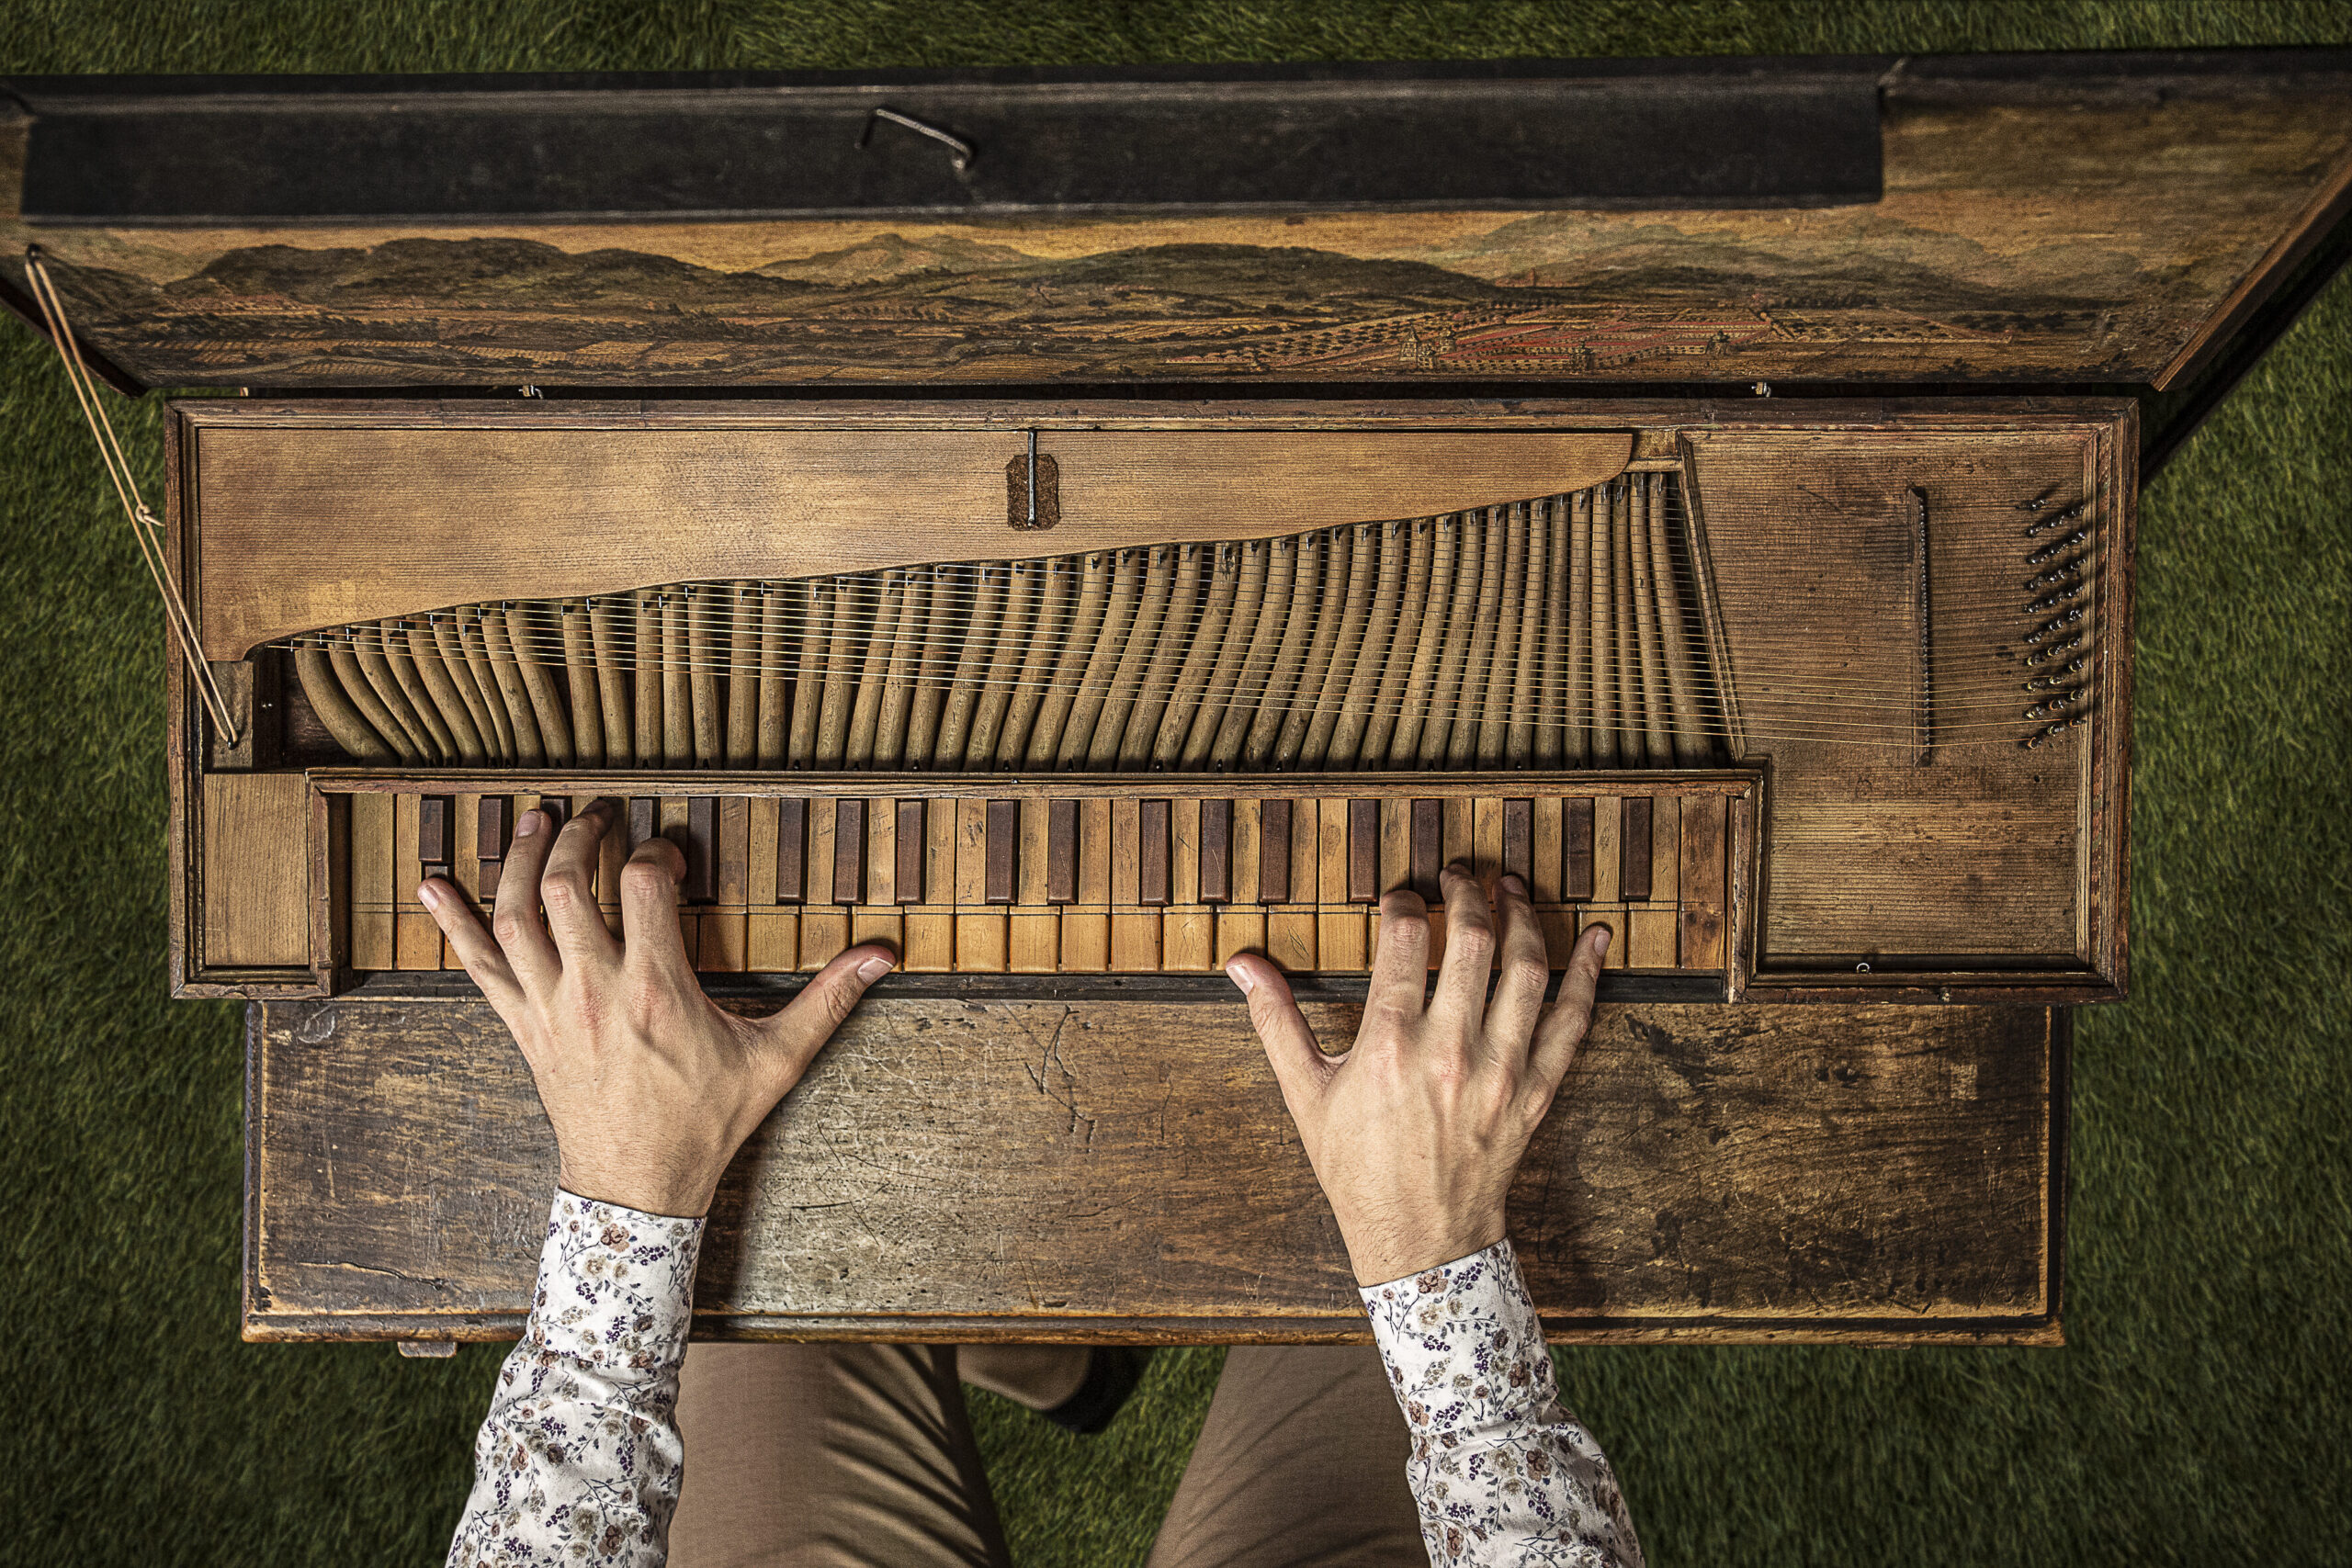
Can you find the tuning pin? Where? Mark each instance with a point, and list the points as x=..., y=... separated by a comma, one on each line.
x=2057, y=547
x=2051, y=602
x=2056, y=625
x=2063, y=571
x=2044, y=525
x=2044, y=656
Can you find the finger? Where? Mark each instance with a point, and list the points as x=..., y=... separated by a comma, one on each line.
x=568, y=889
x=1526, y=971
x=1299, y=1065
x=522, y=935
x=1563, y=1027
x=1401, y=957
x=794, y=1035
x=651, y=936
x=483, y=960
x=1460, y=1002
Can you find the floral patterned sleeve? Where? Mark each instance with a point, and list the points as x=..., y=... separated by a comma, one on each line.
x=578, y=1462
x=1502, y=1473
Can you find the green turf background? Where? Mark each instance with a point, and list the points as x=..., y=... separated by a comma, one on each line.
x=2196, y=1417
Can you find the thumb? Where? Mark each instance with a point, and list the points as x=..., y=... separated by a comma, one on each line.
x=1299, y=1066
x=800, y=1031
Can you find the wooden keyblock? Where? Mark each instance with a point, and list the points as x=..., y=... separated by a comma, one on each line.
x=1062, y=851
x=700, y=843
x=824, y=934
x=1608, y=815
x=417, y=939
x=819, y=869
x=971, y=853
x=1034, y=942
x=1290, y=939
x=939, y=855
x=1650, y=938
x=983, y=944
x=435, y=839
x=1248, y=850
x=1666, y=851
x=493, y=831
x=1576, y=826
x=1363, y=851
x=1343, y=940
x=771, y=945
x=881, y=853
x=1519, y=841
x=1487, y=841
x=910, y=845
x=1240, y=928
x=1428, y=847
x=1544, y=880
x=1003, y=870
x=1135, y=943
x=878, y=924
x=1333, y=853
x=760, y=868
x=724, y=941
x=1188, y=938
x=1183, y=852
x=1152, y=854
x=1634, y=850
x=1086, y=942
x=1705, y=891
x=372, y=944
x=791, y=850
x=465, y=844
x=930, y=941
x=1458, y=842
x=732, y=875
x=1307, y=854
x=1217, y=851
x=1613, y=917
x=1274, y=851
x=1396, y=844
x=849, y=852
x=1559, y=927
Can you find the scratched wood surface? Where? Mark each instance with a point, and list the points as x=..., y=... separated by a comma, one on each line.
x=1126, y=1171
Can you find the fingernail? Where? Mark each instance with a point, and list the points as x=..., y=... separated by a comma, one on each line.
x=527, y=824
x=1512, y=884
x=428, y=894
x=1601, y=945
x=873, y=969
x=1240, y=977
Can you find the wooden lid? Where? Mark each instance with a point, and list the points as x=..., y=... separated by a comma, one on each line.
x=2061, y=219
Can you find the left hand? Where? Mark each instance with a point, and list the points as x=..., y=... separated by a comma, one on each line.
x=650, y=1086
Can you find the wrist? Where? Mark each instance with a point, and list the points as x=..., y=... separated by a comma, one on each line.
x=1378, y=1256
x=669, y=1194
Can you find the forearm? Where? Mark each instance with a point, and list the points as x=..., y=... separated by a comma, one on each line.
x=578, y=1459
x=1502, y=1473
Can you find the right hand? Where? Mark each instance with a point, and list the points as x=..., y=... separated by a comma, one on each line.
x=1416, y=1130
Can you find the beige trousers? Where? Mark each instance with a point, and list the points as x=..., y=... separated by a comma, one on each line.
x=862, y=1454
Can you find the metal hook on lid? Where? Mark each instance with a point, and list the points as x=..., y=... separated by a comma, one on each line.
x=961, y=152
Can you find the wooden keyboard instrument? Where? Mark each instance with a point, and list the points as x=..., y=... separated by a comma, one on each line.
x=1805, y=705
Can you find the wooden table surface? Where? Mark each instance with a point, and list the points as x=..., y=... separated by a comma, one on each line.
x=1122, y=1168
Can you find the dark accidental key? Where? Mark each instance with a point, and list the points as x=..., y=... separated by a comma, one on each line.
x=1274, y=851
x=557, y=808
x=1151, y=869
x=701, y=847
x=433, y=851
x=1633, y=836
x=496, y=830
x=1576, y=828
x=1426, y=847
x=1001, y=864
x=791, y=850
x=909, y=880
x=849, y=852
x=1363, y=852
x=1217, y=851
x=1062, y=851
x=644, y=820
x=1519, y=841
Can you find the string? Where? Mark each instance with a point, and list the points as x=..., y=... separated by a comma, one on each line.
x=146, y=531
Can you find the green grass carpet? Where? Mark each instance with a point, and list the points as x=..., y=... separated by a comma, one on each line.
x=2196, y=1417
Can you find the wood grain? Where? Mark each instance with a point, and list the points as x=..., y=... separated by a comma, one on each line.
x=1126, y=1171
x=256, y=878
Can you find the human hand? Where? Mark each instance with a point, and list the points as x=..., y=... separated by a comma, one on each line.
x=650, y=1085
x=1415, y=1132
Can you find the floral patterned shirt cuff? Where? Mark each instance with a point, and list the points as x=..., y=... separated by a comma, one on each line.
x=578, y=1459
x=1501, y=1472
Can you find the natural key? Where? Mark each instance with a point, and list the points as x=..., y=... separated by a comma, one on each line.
x=1152, y=867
